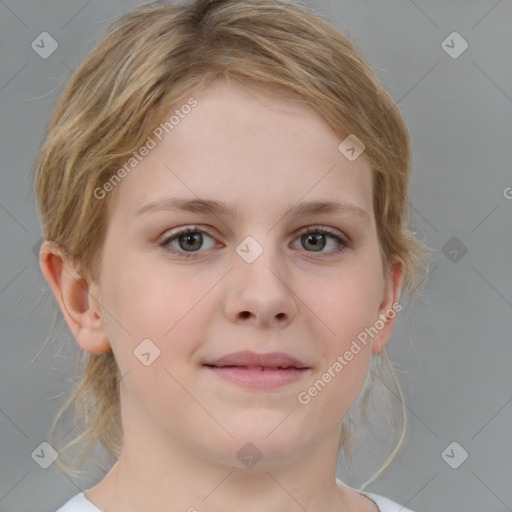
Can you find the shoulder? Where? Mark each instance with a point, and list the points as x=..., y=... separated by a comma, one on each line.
x=385, y=504
x=78, y=503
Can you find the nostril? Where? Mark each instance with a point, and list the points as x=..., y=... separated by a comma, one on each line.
x=245, y=314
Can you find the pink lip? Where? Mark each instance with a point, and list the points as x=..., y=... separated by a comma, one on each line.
x=260, y=371
x=252, y=359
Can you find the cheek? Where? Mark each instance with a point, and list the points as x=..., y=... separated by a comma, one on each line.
x=346, y=354
x=349, y=300
x=167, y=310
x=156, y=303
x=347, y=305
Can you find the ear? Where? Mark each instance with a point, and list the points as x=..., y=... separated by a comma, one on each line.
x=389, y=308
x=72, y=291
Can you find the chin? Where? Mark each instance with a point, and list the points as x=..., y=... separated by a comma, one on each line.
x=265, y=446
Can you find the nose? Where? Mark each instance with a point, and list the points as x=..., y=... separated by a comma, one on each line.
x=260, y=293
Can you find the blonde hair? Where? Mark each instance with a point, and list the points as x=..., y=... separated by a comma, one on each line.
x=156, y=55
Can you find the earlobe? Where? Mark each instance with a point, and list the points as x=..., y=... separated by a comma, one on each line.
x=72, y=291
x=389, y=308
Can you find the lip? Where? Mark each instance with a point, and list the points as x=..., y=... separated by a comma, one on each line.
x=252, y=359
x=259, y=371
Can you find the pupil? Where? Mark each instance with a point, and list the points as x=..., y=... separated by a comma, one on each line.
x=314, y=239
x=191, y=237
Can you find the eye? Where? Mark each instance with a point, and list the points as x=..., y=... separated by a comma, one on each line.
x=186, y=241
x=316, y=238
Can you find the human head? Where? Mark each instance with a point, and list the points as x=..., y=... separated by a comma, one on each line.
x=159, y=54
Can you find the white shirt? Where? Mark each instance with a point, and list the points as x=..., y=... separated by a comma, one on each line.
x=79, y=503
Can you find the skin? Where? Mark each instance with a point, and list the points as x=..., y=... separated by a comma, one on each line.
x=183, y=425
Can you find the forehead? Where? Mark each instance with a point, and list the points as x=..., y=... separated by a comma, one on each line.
x=246, y=147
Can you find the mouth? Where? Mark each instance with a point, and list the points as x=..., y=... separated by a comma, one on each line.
x=257, y=368
x=258, y=371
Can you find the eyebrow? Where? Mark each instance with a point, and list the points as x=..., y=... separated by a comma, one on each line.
x=209, y=206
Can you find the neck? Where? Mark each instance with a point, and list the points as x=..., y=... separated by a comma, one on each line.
x=173, y=481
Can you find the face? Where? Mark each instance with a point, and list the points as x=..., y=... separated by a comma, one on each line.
x=258, y=276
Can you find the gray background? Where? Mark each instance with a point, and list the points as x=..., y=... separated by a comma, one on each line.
x=452, y=346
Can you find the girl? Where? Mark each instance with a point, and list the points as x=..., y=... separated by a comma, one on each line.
x=223, y=193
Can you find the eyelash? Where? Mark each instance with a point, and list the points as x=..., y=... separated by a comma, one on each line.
x=343, y=242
